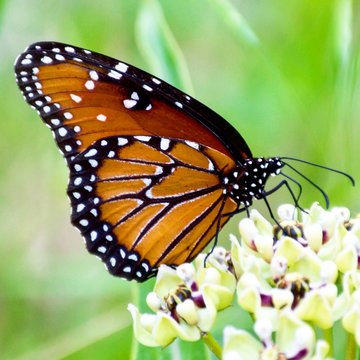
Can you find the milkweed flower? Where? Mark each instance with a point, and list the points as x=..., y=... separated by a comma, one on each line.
x=291, y=277
x=185, y=301
x=294, y=340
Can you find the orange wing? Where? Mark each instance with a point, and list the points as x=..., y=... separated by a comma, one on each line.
x=84, y=96
x=144, y=192
x=142, y=201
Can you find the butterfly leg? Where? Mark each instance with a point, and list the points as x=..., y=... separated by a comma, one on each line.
x=278, y=186
x=218, y=228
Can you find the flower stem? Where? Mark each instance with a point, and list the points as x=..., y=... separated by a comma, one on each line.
x=212, y=344
x=350, y=347
x=328, y=335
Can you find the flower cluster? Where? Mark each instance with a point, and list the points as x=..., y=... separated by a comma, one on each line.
x=292, y=278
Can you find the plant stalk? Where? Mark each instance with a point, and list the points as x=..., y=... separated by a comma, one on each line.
x=350, y=347
x=212, y=344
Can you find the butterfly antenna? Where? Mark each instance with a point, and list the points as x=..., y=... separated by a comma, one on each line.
x=295, y=182
x=321, y=167
x=326, y=197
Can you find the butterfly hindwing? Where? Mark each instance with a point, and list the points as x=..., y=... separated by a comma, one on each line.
x=141, y=201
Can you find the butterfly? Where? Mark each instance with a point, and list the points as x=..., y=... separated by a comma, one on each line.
x=154, y=173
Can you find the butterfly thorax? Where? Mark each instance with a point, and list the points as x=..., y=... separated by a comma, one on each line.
x=247, y=181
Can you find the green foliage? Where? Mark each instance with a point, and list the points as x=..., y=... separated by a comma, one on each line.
x=284, y=73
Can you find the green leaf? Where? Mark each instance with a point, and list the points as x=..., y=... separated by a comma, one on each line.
x=235, y=22
x=159, y=46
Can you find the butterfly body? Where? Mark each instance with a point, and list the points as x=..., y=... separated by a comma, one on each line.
x=154, y=174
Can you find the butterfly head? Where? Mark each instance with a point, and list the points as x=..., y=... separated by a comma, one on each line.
x=248, y=180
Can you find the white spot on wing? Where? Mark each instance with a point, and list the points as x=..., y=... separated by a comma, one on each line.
x=76, y=195
x=101, y=117
x=135, y=95
x=84, y=222
x=164, y=144
x=133, y=257
x=46, y=60
x=62, y=131
x=77, y=181
x=147, y=87
x=90, y=153
x=26, y=62
x=179, y=104
x=121, y=67
x=143, y=138
x=90, y=85
x=94, y=75
x=80, y=208
x=59, y=57
x=149, y=194
x=122, y=141
x=211, y=166
x=68, y=115
x=93, y=163
x=102, y=249
x=156, y=81
x=75, y=98
x=192, y=144
x=129, y=103
x=114, y=74
x=69, y=49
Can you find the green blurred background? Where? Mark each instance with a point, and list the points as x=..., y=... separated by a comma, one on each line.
x=284, y=73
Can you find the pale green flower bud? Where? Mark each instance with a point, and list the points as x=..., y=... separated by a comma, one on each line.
x=287, y=212
x=315, y=308
x=263, y=329
x=153, y=301
x=328, y=271
x=282, y=298
x=289, y=249
x=188, y=311
x=351, y=320
x=239, y=344
x=264, y=246
x=314, y=236
x=278, y=266
x=186, y=272
x=342, y=214
x=347, y=259
x=321, y=350
x=248, y=232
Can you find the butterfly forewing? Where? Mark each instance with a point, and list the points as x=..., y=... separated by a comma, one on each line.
x=85, y=96
x=142, y=198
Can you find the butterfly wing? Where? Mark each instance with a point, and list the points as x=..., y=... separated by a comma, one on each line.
x=84, y=96
x=143, y=201
x=136, y=203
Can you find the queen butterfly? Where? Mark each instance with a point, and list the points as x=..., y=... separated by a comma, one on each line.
x=154, y=174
